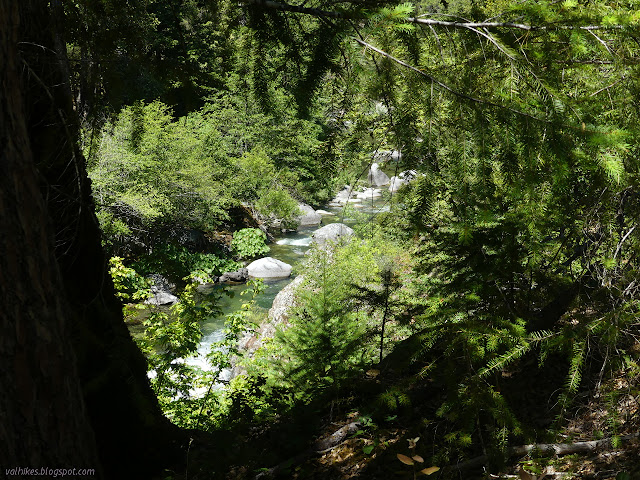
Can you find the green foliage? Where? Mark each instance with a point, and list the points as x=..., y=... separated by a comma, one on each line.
x=278, y=204
x=518, y=211
x=331, y=337
x=522, y=220
x=249, y=243
x=153, y=174
x=169, y=339
x=178, y=262
x=247, y=399
x=128, y=283
x=323, y=346
x=122, y=51
x=115, y=232
x=173, y=337
x=268, y=187
x=236, y=323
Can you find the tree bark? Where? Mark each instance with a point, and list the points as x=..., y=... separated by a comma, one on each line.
x=44, y=422
x=70, y=365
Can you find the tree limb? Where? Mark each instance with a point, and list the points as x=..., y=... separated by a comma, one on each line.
x=321, y=446
x=443, y=85
x=508, y=25
x=547, y=449
x=622, y=241
x=285, y=7
x=316, y=12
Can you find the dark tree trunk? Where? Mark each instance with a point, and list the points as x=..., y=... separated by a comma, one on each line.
x=69, y=364
x=44, y=423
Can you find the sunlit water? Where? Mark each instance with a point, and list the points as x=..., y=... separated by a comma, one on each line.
x=289, y=248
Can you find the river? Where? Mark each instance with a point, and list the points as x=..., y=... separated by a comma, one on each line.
x=289, y=248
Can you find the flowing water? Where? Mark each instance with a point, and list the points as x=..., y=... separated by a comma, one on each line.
x=289, y=248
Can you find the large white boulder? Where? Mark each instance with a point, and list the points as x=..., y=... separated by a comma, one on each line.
x=343, y=195
x=161, y=298
x=369, y=194
x=402, y=179
x=377, y=177
x=309, y=216
x=269, y=268
x=279, y=314
x=334, y=232
x=408, y=175
x=388, y=155
x=395, y=183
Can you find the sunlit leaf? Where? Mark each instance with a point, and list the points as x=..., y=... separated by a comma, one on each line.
x=404, y=459
x=430, y=470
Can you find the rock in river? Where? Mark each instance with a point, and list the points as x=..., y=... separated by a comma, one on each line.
x=278, y=314
x=161, y=291
x=377, y=177
x=395, y=183
x=161, y=298
x=269, y=268
x=333, y=232
x=240, y=275
x=309, y=216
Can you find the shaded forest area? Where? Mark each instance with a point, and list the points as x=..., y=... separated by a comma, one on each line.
x=483, y=325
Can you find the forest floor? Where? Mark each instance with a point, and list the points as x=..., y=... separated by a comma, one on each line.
x=609, y=413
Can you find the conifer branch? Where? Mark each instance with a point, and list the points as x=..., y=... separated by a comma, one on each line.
x=602, y=42
x=285, y=7
x=317, y=12
x=509, y=25
x=444, y=85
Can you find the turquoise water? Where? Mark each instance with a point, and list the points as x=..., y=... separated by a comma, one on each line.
x=289, y=248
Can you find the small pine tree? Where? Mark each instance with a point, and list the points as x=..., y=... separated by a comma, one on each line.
x=323, y=347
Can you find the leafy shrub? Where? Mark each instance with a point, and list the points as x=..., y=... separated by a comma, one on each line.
x=278, y=203
x=249, y=243
x=115, y=232
x=151, y=171
x=129, y=284
x=264, y=185
x=177, y=262
x=171, y=337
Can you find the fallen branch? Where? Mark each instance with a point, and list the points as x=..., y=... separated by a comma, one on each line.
x=569, y=448
x=336, y=438
x=546, y=449
x=323, y=445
